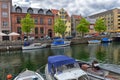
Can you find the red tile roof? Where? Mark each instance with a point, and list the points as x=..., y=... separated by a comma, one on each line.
x=77, y=16
x=54, y=11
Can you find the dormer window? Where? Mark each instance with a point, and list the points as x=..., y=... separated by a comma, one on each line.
x=49, y=12
x=41, y=11
x=30, y=10
x=18, y=10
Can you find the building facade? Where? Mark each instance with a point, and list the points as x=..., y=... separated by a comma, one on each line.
x=5, y=18
x=43, y=18
x=111, y=18
x=63, y=15
x=91, y=26
x=75, y=20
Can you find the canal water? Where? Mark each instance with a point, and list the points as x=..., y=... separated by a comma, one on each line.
x=16, y=61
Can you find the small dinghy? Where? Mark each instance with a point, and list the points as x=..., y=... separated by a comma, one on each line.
x=29, y=75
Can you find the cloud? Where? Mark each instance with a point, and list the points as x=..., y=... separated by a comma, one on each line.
x=83, y=7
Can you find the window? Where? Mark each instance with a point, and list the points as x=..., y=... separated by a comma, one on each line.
x=30, y=11
x=41, y=11
x=36, y=30
x=49, y=12
x=41, y=20
x=4, y=5
x=19, y=30
x=18, y=20
x=18, y=10
x=49, y=21
x=118, y=23
x=6, y=32
x=4, y=14
x=63, y=17
x=36, y=20
x=41, y=30
x=5, y=23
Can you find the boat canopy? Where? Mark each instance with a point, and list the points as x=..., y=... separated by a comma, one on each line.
x=59, y=60
x=105, y=39
x=59, y=41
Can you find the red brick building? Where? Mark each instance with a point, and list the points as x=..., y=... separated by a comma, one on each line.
x=44, y=21
x=5, y=18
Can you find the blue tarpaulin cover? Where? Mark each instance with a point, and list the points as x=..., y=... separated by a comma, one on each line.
x=59, y=60
x=59, y=41
x=105, y=39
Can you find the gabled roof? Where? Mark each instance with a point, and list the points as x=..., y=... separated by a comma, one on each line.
x=54, y=11
x=77, y=16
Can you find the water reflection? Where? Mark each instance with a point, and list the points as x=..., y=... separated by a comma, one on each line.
x=14, y=62
x=62, y=51
x=80, y=51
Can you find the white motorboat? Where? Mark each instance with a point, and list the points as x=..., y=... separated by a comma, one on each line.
x=94, y=41
x=29, y=75
x=34, y=46
x=62, y=67
x=60, y=43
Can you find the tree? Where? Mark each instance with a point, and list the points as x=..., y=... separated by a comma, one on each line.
x=100, y=25
x=27, y=24
x=60, y=27
x=82, y=27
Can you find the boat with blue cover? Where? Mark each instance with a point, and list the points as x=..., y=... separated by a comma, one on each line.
x=106, y=40
x=59, y=42
x=61, y=67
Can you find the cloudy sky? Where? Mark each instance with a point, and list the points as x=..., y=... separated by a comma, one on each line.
x=83, y=7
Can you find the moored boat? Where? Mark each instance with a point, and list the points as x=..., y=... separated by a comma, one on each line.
x=60, y=43
x=106, y=40
x=29, y=75
x=62, y=67
x=34, y=46
x=94, y=41
x=96, y=72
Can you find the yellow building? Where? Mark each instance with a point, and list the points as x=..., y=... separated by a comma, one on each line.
x=62, y=14
x=111, y=18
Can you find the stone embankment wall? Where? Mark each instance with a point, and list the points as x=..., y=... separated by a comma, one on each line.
x=17, y=45
x=83, y=40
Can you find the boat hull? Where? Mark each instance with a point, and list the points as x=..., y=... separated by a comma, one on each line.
x=33, y=46
x=94, y=41
x=66, y=43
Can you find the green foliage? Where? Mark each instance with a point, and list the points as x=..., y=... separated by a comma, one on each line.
x=27, y=24
x=82, y=27
x=100, y=25
x=60, y=26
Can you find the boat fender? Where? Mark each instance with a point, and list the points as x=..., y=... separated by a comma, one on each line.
x=9, y=77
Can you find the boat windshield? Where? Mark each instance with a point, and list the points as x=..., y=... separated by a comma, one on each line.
x=68, y=66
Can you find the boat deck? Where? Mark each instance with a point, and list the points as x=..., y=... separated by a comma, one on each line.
x=28, y=75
